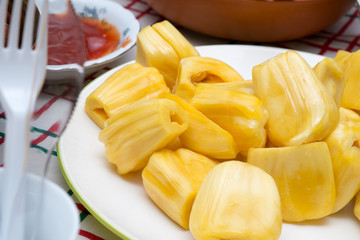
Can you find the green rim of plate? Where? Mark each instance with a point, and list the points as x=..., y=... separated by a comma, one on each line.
x=81, y=199
x=68, y=181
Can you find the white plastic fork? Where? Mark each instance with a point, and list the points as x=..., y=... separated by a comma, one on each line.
x=22, y=71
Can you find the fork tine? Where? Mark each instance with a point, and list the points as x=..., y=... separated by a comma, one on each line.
x=13, y=40
x=3, y=12
x=42, y=29
x=41, y=44
x=27, y=38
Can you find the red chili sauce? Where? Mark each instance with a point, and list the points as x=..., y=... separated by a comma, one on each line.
x=74, y=39
x=101, y=38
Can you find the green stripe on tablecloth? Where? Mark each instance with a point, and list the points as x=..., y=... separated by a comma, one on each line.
x=42, y=131
x=70, y=192
x=84, y=214
x=350, y=15
x=44, y=150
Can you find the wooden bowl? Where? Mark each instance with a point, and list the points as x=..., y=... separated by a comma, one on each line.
x=253, y=20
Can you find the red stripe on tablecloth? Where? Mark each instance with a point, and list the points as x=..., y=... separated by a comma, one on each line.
x=326, y=46
x=353, y=44
x=323, y=49
x=54, y=129
x=62, y=95
x=130, y=4
x=140, y=13
x=330, y=38
x=48, y=104
x=89, y=235
x=80, y=207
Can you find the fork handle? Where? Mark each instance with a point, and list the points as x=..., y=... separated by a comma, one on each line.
x=16, y=147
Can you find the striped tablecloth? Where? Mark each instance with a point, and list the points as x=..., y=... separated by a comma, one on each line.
x=344, y=34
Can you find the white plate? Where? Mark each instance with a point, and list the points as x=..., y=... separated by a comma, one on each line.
x=121, y=204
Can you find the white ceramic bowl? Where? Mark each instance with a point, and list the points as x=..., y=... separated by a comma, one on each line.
x=58, y=218
x=126, y=23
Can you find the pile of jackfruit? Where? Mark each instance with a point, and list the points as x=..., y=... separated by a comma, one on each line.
x=230, y=158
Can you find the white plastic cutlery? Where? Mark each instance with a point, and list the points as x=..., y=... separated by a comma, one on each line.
x=22, y=68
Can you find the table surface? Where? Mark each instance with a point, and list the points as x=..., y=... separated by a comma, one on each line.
x=344, y=34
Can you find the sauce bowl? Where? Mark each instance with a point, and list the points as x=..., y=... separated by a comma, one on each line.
x=105, y=11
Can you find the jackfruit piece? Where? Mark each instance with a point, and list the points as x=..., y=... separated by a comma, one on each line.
x=236, y=201
x=153, y=51
x=125, y=86
x=343, y=144
x=241, y=114
x=300, y=109
x=193, y=70
x=140, y=129
x=180, y=44
x=331, y=75
x=351, y=96
x=203, y=135
x=162, y=46
x=172, y=180
x=342, y=58
x=304, y=177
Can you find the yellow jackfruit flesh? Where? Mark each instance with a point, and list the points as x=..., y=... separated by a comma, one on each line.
x=172, y=180
x=203, y=135
x=180, y=44
x=236, y=201
x=343, y=144
x=193, y=70
x=304, y=177
x=245, y=86
x=342, y=58
x=162, y=46
x=300, y=109
x=140, y=129
x=127, y=85
x=331, y=75
x=351, y=96
x=153, y=51
x=241, y=114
